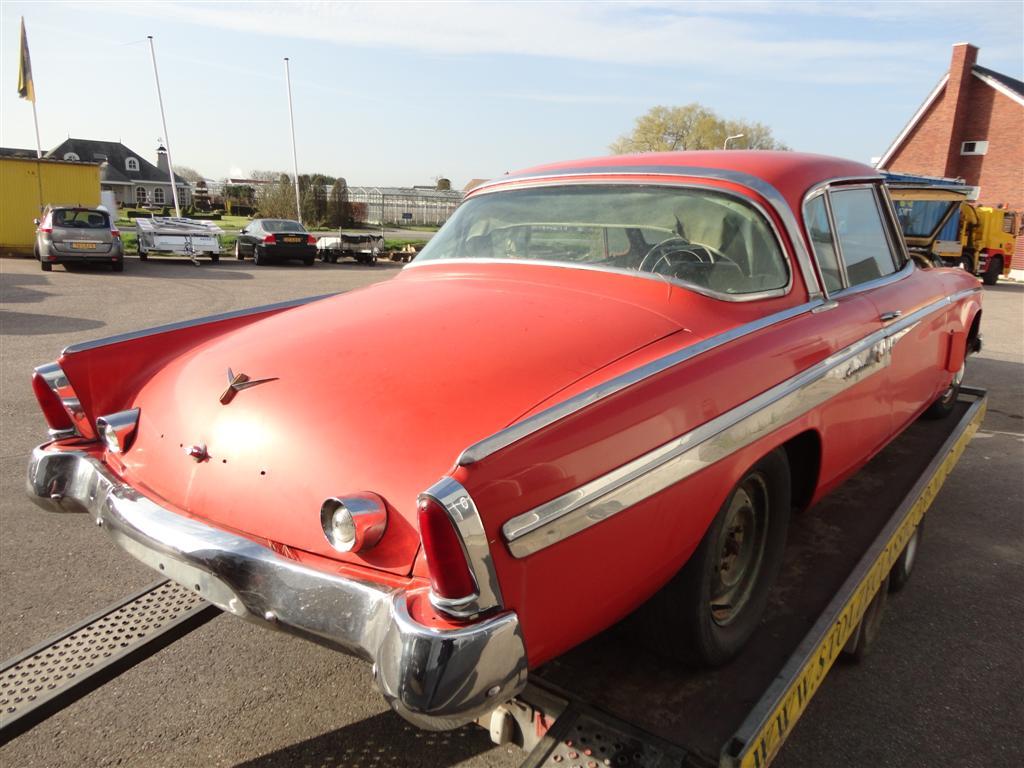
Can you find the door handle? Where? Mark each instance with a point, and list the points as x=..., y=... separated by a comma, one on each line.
x=888, y=317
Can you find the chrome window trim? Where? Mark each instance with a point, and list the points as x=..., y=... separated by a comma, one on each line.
x=687, y=454
x=753, y=183
x=732, y=297
x=515, y=432
x=465, y=516
x=895, y=230
x=809, y=198
x=132, y=335
x=59, y=384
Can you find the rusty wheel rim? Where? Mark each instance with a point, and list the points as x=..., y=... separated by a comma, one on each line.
x=740, y=550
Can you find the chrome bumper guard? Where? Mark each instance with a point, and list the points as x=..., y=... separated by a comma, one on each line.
x=437, y=679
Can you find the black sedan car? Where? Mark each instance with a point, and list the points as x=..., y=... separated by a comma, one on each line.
x=268, y=240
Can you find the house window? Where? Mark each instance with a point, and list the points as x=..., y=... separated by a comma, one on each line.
x=158, y=195
x=131, y=164
x=70, y=156
x=974, y=148
x=140, y=195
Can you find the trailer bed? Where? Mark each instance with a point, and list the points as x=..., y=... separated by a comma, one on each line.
x=740, y=714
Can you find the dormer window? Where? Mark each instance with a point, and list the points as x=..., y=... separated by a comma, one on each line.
x=71, y=156
x=131, y=164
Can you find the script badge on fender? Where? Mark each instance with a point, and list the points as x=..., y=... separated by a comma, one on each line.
x=237, y=382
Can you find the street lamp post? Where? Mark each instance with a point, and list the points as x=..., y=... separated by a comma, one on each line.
x=730, y=138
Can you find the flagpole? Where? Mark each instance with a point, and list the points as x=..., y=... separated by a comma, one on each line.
x=163, y=121
x=291, y=120
x=39, y=144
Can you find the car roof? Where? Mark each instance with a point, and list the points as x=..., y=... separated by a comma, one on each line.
x=791, y=173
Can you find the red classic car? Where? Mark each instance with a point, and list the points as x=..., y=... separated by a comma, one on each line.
x=625, y=371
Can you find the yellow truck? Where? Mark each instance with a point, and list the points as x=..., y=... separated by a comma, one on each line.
x=942, y=228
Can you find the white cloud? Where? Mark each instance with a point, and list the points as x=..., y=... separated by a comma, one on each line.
x=750, y=40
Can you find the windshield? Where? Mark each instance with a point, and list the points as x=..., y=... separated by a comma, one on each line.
x=281, y=225
x=79, y=219
x=702, y=238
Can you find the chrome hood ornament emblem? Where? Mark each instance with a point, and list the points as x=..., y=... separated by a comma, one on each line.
x=237, y=382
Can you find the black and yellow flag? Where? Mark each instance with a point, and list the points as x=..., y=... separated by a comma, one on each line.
x=26, y=89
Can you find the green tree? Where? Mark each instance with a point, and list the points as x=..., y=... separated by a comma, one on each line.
x=665, y=129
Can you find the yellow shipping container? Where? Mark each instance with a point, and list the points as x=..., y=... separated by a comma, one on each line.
x=27, y=185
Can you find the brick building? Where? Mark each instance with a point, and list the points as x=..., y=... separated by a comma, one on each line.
x=971, y=126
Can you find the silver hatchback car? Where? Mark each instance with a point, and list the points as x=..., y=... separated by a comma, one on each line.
x=67, y=234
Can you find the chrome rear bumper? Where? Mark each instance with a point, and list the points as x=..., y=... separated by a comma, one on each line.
x=436, y=679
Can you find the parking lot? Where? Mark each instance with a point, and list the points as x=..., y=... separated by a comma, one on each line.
x=941, y=688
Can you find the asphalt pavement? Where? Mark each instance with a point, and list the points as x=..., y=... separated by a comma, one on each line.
x=941, y=688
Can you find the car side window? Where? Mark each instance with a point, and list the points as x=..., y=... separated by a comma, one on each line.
x=863, y=244
x=820, y=231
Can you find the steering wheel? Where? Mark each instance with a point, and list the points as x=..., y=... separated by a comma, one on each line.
x=676, y=250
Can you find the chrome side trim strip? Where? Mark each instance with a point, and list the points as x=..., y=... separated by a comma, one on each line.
x=762, y=187
x=515, y=432
x=459, y=505
x=106, y=341
x=724, y=435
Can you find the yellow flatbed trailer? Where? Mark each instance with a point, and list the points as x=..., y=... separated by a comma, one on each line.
x=610, y=702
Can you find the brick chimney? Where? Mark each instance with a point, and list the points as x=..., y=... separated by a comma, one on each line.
x=955, y=103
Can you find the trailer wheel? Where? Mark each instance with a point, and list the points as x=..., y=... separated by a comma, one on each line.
x=901, y=569
x=708, y=611
x=995, y=269
x=214, y=258
x=864, y=635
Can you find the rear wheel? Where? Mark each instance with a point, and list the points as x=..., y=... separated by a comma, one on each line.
x=942, y=407
x=711, y=607
x=308, y=261
x=259, y=258
x=46, y=266
x=238, y=251
x=117, y=266
x=995, y=269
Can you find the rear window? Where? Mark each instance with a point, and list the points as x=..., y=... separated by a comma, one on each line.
x=281, y=225
x=79, y=219
x=698, y=237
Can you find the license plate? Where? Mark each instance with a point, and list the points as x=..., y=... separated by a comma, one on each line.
x=293, y=239
x=84, y=246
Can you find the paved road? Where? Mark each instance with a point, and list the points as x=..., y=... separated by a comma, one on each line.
x=942, y=689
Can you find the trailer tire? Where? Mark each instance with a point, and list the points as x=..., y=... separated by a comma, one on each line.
x=689, y=621
x=995, y=269
x=904, y=565
x=866, y=631
x=214, y=258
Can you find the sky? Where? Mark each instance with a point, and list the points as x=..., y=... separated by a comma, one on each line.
x=402, y=93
